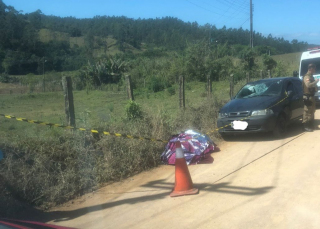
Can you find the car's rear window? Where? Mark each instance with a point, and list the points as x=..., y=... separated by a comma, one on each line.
x=264, y=88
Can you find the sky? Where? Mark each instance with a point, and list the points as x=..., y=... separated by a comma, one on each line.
x=290, y=19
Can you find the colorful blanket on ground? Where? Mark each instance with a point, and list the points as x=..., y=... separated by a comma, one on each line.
x=196, y=147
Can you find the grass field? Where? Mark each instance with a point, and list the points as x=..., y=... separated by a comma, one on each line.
x=105, y=108
x=291, y=60
x=46, y=166
x=100, y=108
x=102, y=45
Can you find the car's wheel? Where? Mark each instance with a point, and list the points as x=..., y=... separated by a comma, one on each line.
x=281, y=127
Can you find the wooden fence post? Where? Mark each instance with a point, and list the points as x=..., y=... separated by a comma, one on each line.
x=129, y=87
x=182, y=102
x=269, y=74
x=44, y=76
x=68, y=98
x=231, y=85
x=248, y=77
x=209, y=86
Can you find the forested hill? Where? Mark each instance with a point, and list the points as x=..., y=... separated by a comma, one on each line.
x=23, y=48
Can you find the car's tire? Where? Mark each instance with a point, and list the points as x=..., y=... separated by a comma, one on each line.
x=281, y=127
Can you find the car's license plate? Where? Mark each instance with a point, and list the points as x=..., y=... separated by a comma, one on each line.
x=239, y=125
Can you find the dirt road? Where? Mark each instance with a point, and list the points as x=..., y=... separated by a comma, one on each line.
x=254, y=182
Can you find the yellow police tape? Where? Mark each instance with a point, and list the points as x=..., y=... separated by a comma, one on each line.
x=116, y=134
x=82, y=129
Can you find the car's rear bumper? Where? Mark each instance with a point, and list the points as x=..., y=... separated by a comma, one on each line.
x=255, y=124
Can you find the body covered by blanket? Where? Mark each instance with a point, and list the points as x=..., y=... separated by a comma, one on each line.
x=196, y=147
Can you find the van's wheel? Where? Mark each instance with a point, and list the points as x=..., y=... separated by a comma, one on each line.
x=281, y=127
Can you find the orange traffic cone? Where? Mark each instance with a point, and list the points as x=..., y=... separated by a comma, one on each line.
x=183, y=183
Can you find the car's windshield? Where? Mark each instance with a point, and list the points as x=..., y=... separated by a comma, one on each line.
x=264, y=88
x=305, y=63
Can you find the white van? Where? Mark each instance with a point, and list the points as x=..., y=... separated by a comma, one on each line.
x=308, y=57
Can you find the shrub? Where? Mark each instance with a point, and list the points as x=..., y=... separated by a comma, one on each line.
x=203, y=94
x=58, y=166
x=133, y=110
x=202, y=118
x=188, y=86
x=4, y=78
x=50, y=166
x=171, y=90
x=41, y=176
x=156, y=84
x=110, y=107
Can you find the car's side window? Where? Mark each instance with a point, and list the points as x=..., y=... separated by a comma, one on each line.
x=298, y=86
x=290, y=88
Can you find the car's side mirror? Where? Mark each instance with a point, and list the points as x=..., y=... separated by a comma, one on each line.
x=289, y=93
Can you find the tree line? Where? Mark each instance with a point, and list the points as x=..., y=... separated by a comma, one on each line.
x=23, y=52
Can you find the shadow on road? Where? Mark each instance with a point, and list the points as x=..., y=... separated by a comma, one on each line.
x=161, y=185
x=224, y=187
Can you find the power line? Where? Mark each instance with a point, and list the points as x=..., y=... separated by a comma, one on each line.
x=240, y=8
x=232, y=11
x=221, y=15
x=237, y=11
x=203, y=7
x=244, y=2
x=211, y=5
x=232, y=5
x=245, y=21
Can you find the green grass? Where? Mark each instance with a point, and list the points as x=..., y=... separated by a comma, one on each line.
x=52, y=165
x=46, y=35
x=103, y=107
x=291, y=60
x=47, y=166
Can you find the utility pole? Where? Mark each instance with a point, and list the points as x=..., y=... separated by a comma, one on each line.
x=251, y=26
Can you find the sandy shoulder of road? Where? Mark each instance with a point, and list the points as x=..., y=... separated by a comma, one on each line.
x=254, y=182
